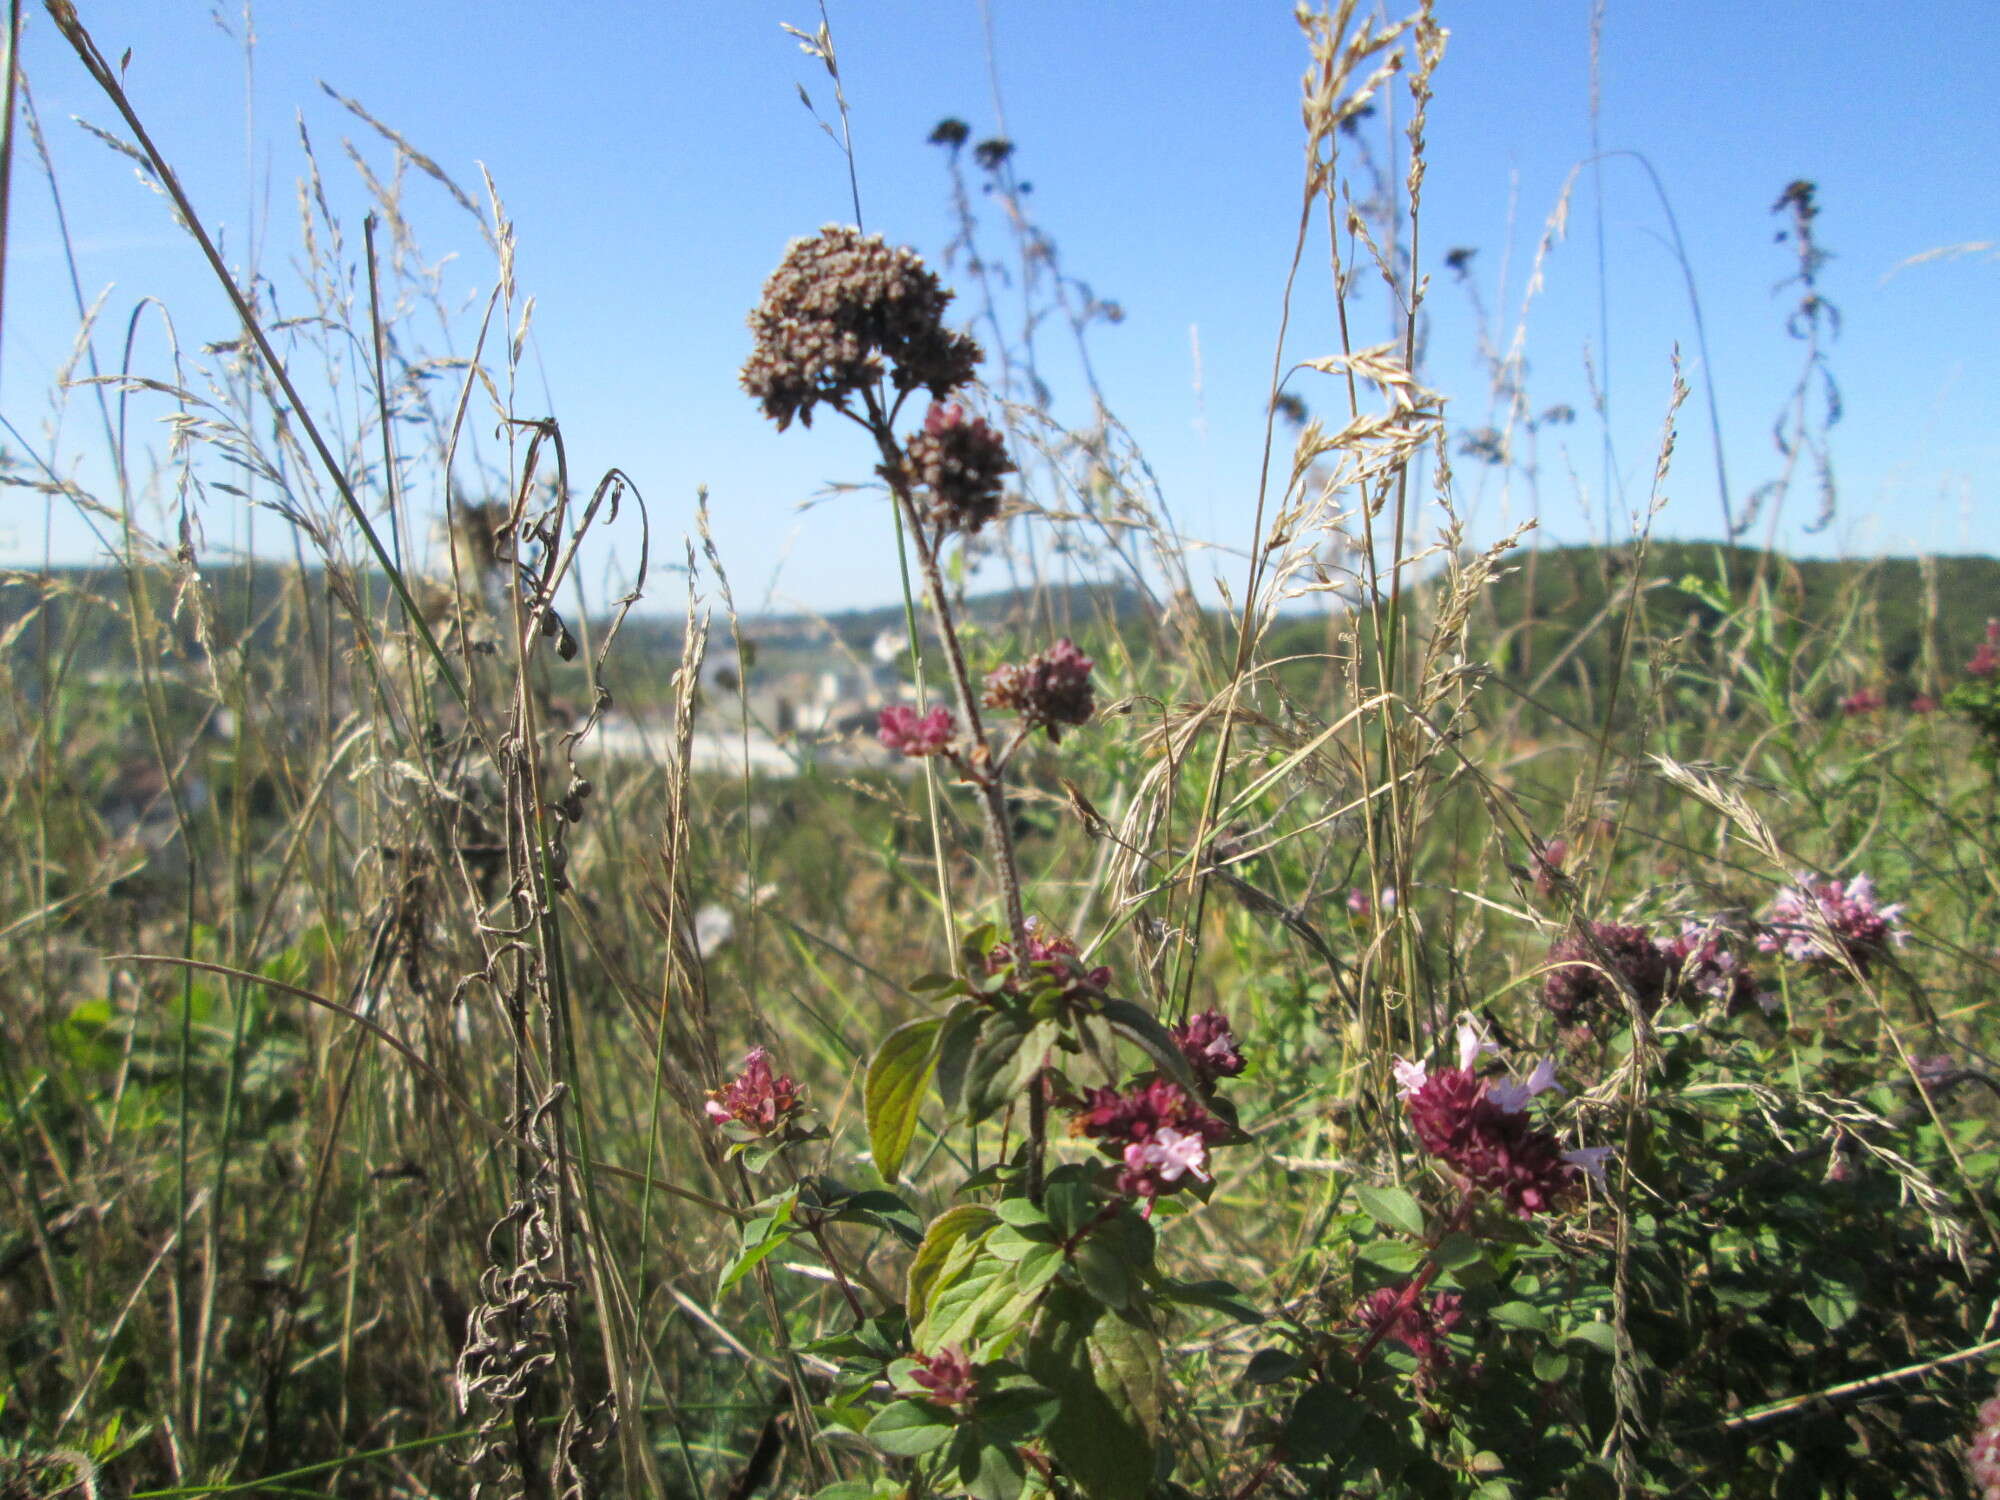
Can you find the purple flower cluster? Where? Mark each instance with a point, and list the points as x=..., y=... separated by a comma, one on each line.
x=1394, y=1312
x=1364, y=905
x=1048, y=953
x=1159, y=1134
x=1982, y=1455
x=1986, y=660
x=1481, y=1130
x=903, y=730
x=1698, y=962
x=1579, y=989
x=1850, y=921
x=1706, y=967
x=1209, y=1047
x=756, y=1099
x=1049, y=690
x=948, y=1375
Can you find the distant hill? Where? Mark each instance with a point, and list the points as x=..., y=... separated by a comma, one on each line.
x=1882, y=613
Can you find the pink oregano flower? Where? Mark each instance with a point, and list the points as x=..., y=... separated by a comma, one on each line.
x=1159, y=1133
x=903, y=730
x=756, y=1098
x=1480, y=1129
x=1856, y=922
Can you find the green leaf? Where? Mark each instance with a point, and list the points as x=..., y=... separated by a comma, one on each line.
x=1020, y=1212
x=1834, y=1303
x=1104, y=1273
x=1038, y=1267
x=910, y=1428
x=998, y=1473
x=893, y=1093
x=1323, y=1422
x=962, y=1027
x=947, y=1230
x=1216, y=1296
x=1396, y=1257
x=1551, y=1366
x=1144, y=1031
x=761, y=1236
x=1521, y=1315
x=1011, y=1244
x=1269, y=1365
x=1067, y=1201
x=1599, y=1336
x=1017, y=1411
x=989, y=1075
x=1392, y=1208
x=883, y=1210
x=1105, y=1368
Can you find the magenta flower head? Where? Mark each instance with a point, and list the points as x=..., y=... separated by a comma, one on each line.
x=1986, y=660
x=1861, y=701
x=1481, y=1130
x=903, y=730
x=948, y=1375
x=1394, y=1312
x=1854, y=923
x=1209, y=1047
x=1049, y=691
x=1048, y=953
x=1159, y=1134
x=1579, y=989
x=756, y=1099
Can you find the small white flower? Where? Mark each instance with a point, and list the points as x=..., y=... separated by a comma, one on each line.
x=1472, y=1046
x=1410, y=1076
x=1172, y=1151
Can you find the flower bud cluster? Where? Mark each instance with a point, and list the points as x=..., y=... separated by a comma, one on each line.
x=1049, y=690
x=1394, y=1312
x=1986, y=660
x=1209, y=1047
x=1579, y=990
x=958, y=461
x=1048, y=954
x=948, y=1375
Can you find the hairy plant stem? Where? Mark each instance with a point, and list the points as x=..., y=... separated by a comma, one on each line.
x=984, y=769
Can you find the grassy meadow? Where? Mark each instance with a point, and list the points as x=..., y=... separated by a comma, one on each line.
x=1437, y=1020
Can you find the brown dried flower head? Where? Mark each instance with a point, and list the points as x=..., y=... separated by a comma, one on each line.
x=841, y=307
x=960, y=462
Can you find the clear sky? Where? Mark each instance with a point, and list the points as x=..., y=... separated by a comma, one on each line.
x=656, y=158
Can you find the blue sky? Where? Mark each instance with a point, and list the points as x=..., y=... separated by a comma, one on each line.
x=655, y=159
